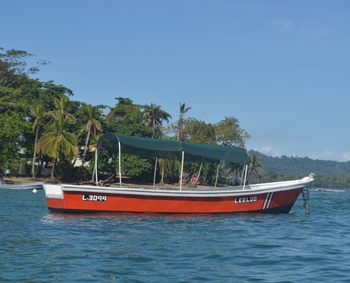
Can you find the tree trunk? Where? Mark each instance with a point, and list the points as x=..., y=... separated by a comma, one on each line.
x=86, y=144
x=34, y=155
x=162, y=175
x=40, y=167
x=53, y=168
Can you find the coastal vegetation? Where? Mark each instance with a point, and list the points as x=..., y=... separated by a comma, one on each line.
x=42, y=127
x=329, y=174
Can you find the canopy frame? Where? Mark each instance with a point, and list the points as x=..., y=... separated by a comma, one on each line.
x=169, y=149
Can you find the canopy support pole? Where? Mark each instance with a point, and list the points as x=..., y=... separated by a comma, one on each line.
x=199, y=172
x=245, y=176
x=119, y=164
x=182, y=168
x=217, y=173
x=96, y=175
x=154, y=175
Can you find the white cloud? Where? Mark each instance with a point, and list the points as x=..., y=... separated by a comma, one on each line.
x=346, y=156
x=269, y=150
x=312, y=29
x=283, y=25
x=316, y=32
x=268, y=136
x=324, y=155
x=331, y=155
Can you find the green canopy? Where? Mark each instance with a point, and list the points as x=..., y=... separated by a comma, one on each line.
x=171, y=149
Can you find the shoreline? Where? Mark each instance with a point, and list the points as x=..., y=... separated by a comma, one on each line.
x=26, y=180
x=48, y=180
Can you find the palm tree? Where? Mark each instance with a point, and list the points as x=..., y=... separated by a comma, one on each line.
x=235, y=168
x=168, y=167
x=183, y=111
x=162, y=164
x=254, y=163
x=125, y=111
x=61, y=105
x=155, y=117
x=58, y=140
x=37, y=112
x=93, y=146
x=91, y=114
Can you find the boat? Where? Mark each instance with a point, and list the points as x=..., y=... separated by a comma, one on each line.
x=273, y=197
x=22, y=186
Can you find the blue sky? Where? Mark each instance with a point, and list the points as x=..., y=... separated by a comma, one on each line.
x=280, y=67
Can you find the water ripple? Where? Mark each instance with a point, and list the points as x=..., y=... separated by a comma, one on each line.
x=39, y=246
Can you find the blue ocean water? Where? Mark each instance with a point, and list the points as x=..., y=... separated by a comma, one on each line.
x=40, y=246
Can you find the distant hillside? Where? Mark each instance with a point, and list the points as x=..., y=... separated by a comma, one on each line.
x=302, y=166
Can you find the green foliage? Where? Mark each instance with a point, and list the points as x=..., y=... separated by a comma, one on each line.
x=332, y=181
x=328, y=174
x=228, y=133
x=33, y=112
x=138, y=130
x=104, y=166
x=155, y=116
x=12, y=134
x=197, y=131
x=303, y=166
x=58, y=140
x=271, y=176
x=134, y=166
x=254, y=165
x=125, y=112
x=17, y=119
x=13, y=66
x=168, y=170
x=183, y=111
x=90, y=118
x=65, y=171
x=126, y=118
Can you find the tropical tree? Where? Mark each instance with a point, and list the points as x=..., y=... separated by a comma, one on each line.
x=58, y=140
x=228, y=133
x=37, y=112
x=13, y=66
x=62, y=106
x=254, y=163
x=91, y=115
x=126, y=118
x=198, y=131
x=11, y=135
x=93, y=147
x=236, y=169
x=155, y=116
x=16, y=119
x=183, y=111
x=125, y=111
x=168, y=168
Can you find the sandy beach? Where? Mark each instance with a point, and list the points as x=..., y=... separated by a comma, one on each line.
x=48, y=180
x=25, y=180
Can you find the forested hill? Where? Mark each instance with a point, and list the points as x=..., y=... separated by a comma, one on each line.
x=298, y=166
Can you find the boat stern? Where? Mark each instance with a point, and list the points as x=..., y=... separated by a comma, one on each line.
x=54, y=196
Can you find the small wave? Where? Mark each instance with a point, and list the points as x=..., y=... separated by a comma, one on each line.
x=329, y=190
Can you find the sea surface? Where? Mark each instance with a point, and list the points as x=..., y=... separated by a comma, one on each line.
x=40, y=246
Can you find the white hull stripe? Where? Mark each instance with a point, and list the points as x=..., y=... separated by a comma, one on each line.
x=267, y=201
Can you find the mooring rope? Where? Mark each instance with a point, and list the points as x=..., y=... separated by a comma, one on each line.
x=306, y=196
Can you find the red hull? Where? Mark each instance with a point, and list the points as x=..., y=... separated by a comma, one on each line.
x=90, y=201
